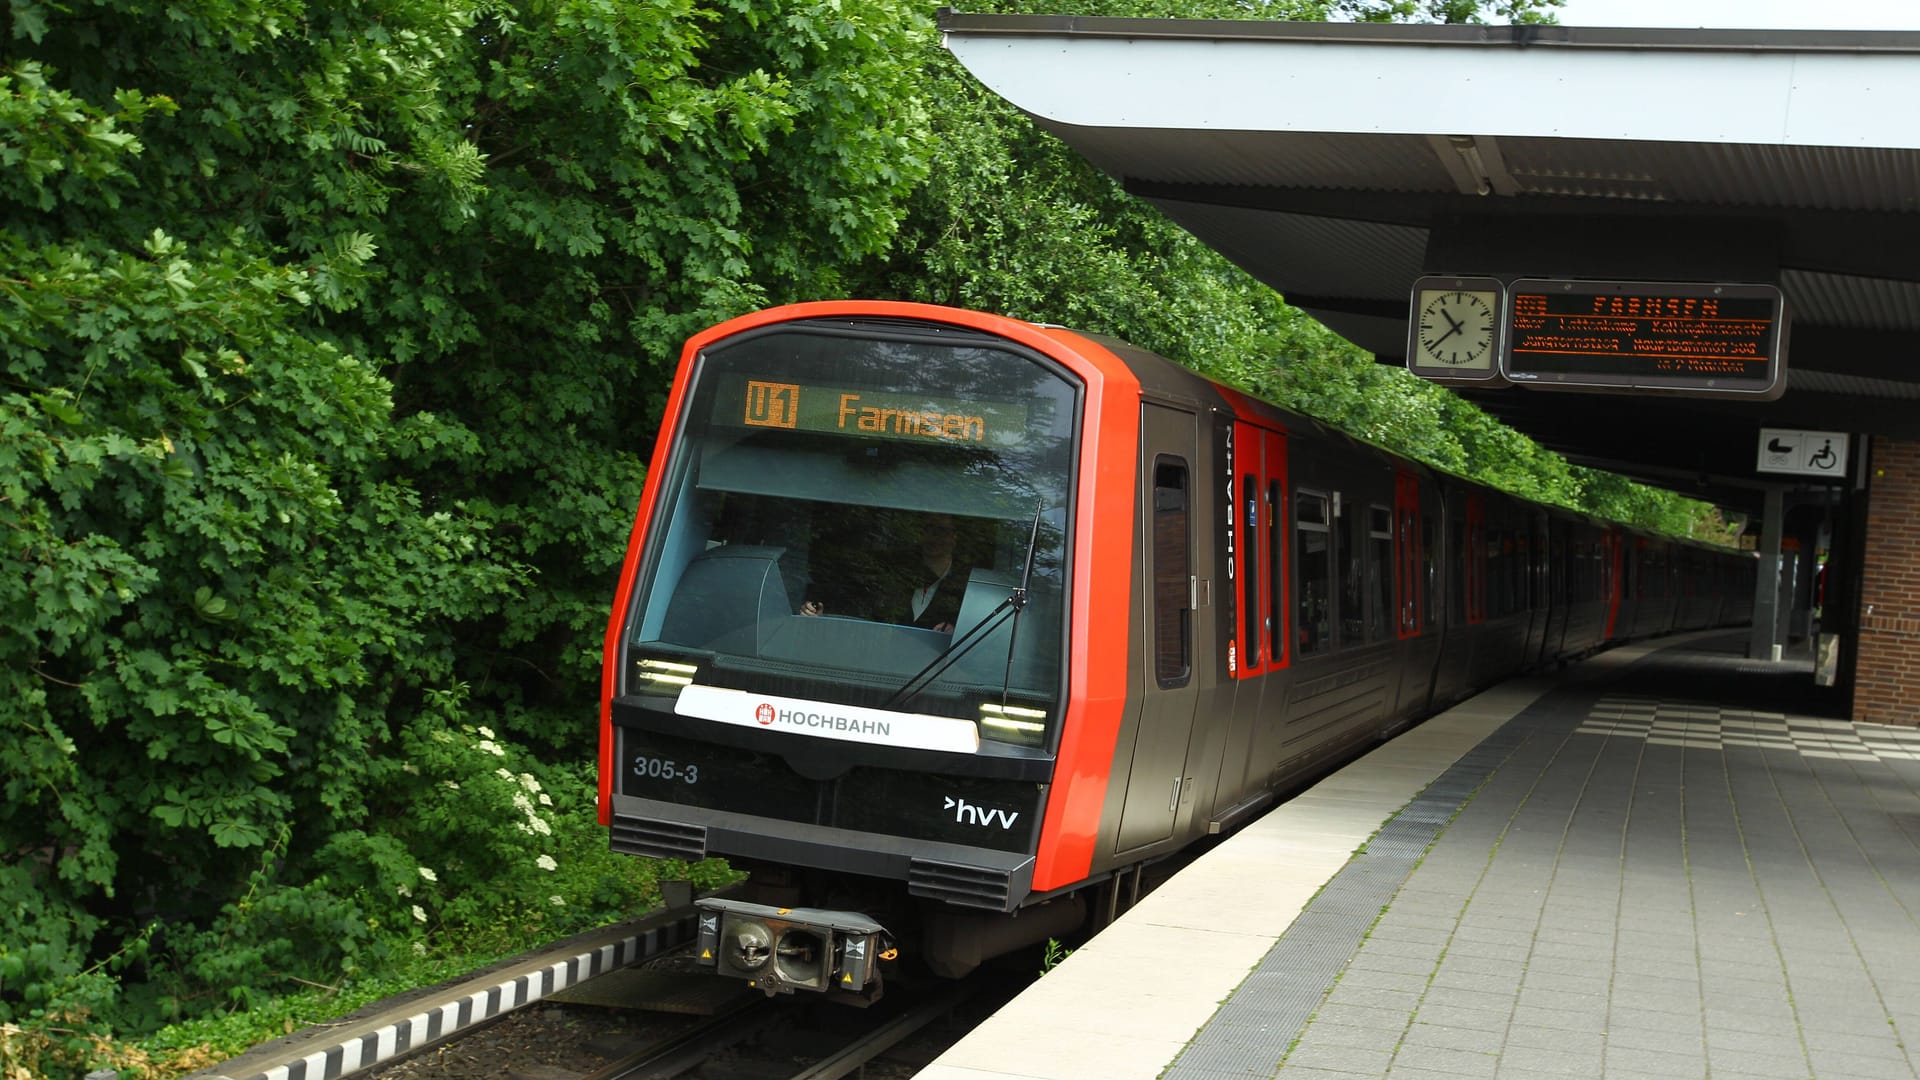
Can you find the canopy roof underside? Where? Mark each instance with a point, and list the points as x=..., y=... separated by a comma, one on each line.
x=1339, y=162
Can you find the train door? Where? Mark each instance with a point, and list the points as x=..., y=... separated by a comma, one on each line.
x=1259, y=493
x=1619, y=582
x=1559, y=587
x=1407, y=562
x=1412, y=602
x=1475, y=555
x=1536, y=587
x=1170, y=588
x=1257, y=645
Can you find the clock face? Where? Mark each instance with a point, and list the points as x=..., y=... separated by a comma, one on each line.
x=1456, y=328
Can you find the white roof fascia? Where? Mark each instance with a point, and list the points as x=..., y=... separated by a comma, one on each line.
x=1663, y=93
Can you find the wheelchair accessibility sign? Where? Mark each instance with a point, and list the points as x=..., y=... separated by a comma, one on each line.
x=1806, y=453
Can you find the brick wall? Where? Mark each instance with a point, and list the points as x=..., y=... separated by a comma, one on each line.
x=1887, y=678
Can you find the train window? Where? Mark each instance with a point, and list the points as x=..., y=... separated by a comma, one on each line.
x=1172, y=575
x=842, y=512
x=1352, y=607
x=1277, y=559
x=1502, y=573
x=1313, y=573
x=1536, y=578
x=1457, y=570
x=1489, y=548
x=1429, y=557
x=1250, y=582
x=1476, y=551
x=1379, y=572
x=1406, y=573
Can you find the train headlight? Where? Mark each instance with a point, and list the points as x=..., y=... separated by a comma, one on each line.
x=747, y=945
x=660, y=676
x=1013, y=724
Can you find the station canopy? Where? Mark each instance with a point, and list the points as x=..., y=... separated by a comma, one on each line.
x=1339, y=163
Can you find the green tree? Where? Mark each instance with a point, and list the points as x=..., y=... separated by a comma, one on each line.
x=333, y=336
x=223, y=583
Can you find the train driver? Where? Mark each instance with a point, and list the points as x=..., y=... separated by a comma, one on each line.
x=927, y=589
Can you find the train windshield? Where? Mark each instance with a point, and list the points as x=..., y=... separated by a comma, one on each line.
x=848, y=520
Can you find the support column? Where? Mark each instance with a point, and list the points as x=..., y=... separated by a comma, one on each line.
x=1766, y=584
x=1886, y=688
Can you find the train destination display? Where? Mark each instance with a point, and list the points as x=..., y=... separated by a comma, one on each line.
x=1687, y=338
x=774, y=403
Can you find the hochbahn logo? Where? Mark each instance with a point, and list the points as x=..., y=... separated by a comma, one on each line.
x=826, y=720
x=767, y=715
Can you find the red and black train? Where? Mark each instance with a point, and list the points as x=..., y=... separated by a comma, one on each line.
x=945, y=625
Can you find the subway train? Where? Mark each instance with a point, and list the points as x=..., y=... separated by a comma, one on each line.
x=947, y=627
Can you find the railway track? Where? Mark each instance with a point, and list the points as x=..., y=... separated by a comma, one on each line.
x=802, y=1040
x=616, y=1004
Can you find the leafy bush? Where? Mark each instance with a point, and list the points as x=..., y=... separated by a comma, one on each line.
x=330, y=340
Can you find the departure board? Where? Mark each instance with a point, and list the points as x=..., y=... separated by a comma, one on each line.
x=1679, y=337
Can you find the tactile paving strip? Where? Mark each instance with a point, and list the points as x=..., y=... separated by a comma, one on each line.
x=1709, y=727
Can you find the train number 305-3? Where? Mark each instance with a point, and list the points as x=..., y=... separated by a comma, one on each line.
x=653, y=768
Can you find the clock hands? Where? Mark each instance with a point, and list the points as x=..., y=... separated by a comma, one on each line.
x=1455, y=327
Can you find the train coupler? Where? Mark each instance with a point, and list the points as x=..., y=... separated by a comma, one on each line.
x=780, y=950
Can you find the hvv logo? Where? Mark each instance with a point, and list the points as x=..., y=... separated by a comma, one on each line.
x=965, y=813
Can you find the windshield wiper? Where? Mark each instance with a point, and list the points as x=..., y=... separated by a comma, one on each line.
x=1018, y=598
x=1010, y=608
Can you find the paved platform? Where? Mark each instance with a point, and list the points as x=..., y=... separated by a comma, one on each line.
x=1666, y=862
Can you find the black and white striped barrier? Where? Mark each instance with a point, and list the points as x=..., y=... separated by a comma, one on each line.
x=390, y=1030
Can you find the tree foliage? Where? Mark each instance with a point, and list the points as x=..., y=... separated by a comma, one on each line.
x=333, y=336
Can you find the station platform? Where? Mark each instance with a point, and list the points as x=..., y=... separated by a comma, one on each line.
x=1667, y=861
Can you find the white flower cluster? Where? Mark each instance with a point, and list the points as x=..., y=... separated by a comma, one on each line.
x=533, y=787
x=535, y=825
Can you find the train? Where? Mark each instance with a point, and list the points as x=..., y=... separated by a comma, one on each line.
x=949, y=627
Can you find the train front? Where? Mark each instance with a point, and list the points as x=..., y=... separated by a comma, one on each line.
x=836, y=655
